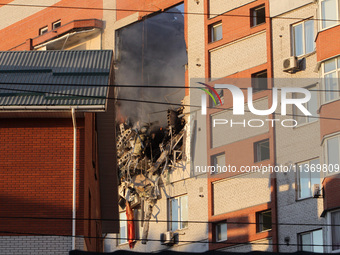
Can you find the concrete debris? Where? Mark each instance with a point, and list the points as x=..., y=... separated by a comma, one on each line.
x=144, y=153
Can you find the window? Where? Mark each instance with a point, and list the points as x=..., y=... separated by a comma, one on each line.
x=215, y=31
x=218, y=161
x=56, y=24
x=257, y=16
x=261, y=150
x=259, y=81
x=264, y=221
x=122, y=236
x=311, y=106
x=311, y=241
x=332, y=154
x=43, y=30
x=178, y=213
x=221, y=232
x=329, y=13
x=307, y=177
x=303, y=38
x=331, y=73
x=335, y=232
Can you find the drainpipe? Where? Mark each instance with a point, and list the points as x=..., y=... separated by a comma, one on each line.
x=74, y=179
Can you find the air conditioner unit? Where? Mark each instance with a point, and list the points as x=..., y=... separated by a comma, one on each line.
x=168, y=238
x=290, y=64
x=316, y=190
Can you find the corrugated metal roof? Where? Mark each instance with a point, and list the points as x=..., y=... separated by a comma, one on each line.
x=54, y=78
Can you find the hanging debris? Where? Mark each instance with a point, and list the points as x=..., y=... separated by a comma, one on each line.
x=144, y=153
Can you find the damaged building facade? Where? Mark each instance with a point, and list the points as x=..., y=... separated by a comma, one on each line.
x=159, y=48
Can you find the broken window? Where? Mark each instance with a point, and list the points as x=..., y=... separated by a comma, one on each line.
x=178, y=212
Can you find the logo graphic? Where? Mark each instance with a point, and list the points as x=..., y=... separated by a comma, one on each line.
x=204, y=99
x=238, y=100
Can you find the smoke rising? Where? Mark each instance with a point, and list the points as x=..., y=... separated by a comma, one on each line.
x=151, y=52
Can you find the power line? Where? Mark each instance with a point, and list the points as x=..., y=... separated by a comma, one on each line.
x=143, y=86
x=153, y=11
x=171, y=221
x=159, y=240
x=79, y=97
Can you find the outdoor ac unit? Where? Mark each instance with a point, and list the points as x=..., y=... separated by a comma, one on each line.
x=168, y=238
x=290, y=64
x=316, y=190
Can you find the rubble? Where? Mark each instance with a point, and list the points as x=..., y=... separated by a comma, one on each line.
x=145, y=153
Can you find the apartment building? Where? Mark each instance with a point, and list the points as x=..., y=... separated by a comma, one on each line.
x=299, y=60
x=91, y=25
x=258, y=44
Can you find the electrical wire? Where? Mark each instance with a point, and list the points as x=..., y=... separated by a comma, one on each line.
x=169, y=221
x=79, y=97
x=159, y=240
x=153, y=11
x=142, y=86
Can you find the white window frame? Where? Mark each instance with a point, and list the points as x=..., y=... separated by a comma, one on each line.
x=216, y=231
x=303, y=38
x=257, y=151
x=325, y=143
x=182, y=224
x=310, y=178
x=254, y=17
x=43, y=30
x=321, y=18
x=56, y=22
x=337, y=76
x=329, y=235
x=308, y=119
x=311, y=233
x=212, y=27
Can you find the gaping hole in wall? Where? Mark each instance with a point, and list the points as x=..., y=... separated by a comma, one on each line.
x=151, y=52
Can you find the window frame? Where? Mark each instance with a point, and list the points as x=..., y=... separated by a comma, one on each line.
x=213, y=162
x=216, y=231
x=182, y=224
x=211, y=28
x=329, y=235
x=254, y=17
x=300, y=244
x=325, y=145
x=56, y=22
x=293, y=51
x=298, y=173
x=321, y=18
x=307, y=119
x=42, y=29
x=256, y=151
x=254, y=76
x=337, y=77
x=259, y=225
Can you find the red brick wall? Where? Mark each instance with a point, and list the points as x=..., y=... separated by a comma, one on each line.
x=236, y=25
x=331, y=187
x=36, y=175
x=327, y=43
x=19, y=32
x=146, y=5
